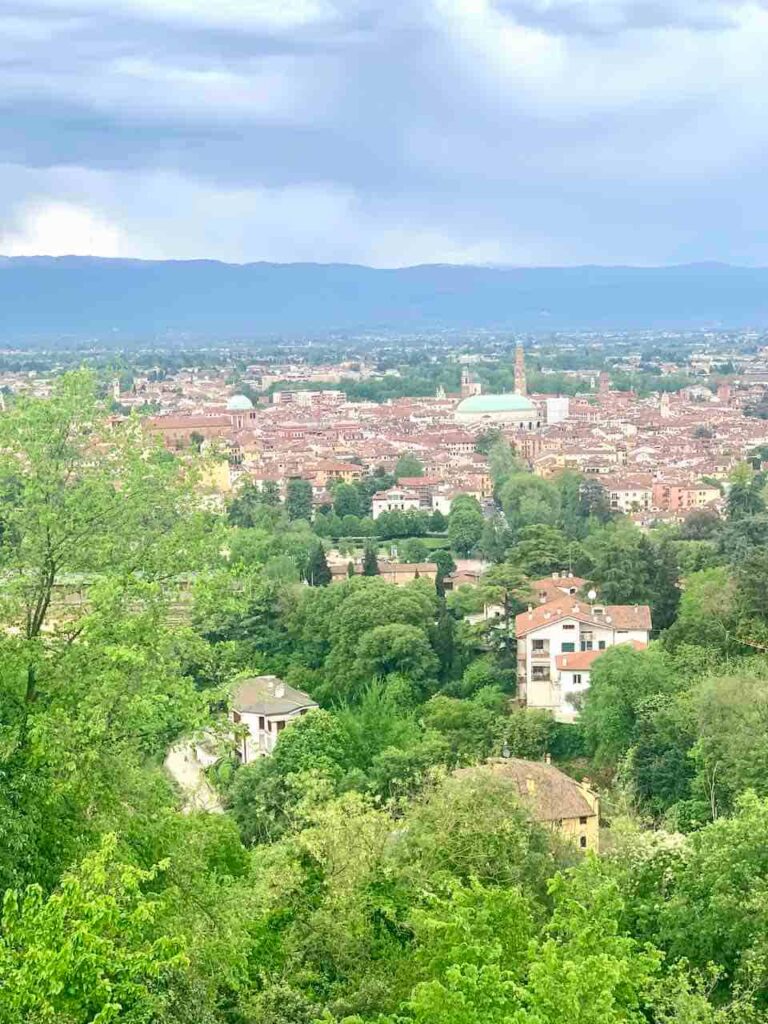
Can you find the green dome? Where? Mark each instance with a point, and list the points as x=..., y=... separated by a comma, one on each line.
x=239, y=403
x=496, y=403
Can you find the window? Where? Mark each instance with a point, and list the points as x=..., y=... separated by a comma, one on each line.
x=236, y=716
x=583, y=842
x=280, y=726
x=601, y=645
x=540, y=673
x=583, y=820
x=568, y=648
x=261, y=721
x=577, y=679
x=537, y=645
x=568, y=625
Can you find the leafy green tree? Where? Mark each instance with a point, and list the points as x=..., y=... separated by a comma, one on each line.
x=621, y=561
x=540, y=550
x=528, y=500
x=620, y=681
x=91, y=951
x=414, y=550
x=732, y=747
x=438, y=522
x=486, y=439
x=465, y=524
x=502, y=462
x=298, y=499
x=318, y=572
x=370, y=561
x=346, y=500
x=408, y=465
x=745, y=497
x=708, y=614
x=495, y=539
x=396, y=649
x=594, y=501
x=701, y=525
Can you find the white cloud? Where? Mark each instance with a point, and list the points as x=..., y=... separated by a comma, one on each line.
x=283, y=15
x=54, y=228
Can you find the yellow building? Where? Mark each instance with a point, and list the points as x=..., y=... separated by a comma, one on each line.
x=552, y=797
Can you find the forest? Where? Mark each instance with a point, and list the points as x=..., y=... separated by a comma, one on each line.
x=354, y=877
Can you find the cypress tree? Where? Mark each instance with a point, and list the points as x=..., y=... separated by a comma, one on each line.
x=318, y=572
x=370, y=562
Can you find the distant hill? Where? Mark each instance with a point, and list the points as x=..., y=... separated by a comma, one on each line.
x=82, y=297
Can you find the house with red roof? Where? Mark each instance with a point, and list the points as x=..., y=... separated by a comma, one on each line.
x=558, y=641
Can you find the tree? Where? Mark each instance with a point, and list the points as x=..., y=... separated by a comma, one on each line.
x=540, y=550
x=465, y=524
x=346, y=500
x=438, y=522
x=414, y=550
x=92, y=950
x=318, y=572
x=664, y=583
x=621, y=561
x=486, y=439
x=298, y=499
x=396, y=649
x=745, y=497
x=196, y=439
x=370, y=561
x=408, y=465
x=701, y=525
x=495, y=538
x=594, y=501
x=528, y=500
x=732, y=747
x=502, y=462
x=270, y=494
x=620, y=681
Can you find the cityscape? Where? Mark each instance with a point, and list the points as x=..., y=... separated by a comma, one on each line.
x=383, y=512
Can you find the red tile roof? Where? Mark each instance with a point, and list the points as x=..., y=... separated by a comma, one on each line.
x=615, y=616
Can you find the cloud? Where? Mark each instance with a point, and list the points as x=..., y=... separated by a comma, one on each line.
x=60, y=229
x=366, y=130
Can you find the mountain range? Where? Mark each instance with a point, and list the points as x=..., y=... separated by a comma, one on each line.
x=85, y=297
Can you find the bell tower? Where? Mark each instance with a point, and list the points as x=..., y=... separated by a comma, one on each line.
x=521, y=388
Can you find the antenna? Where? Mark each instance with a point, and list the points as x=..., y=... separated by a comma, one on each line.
x=591, y=596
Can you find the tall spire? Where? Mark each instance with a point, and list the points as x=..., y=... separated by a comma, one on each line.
x=521, y=388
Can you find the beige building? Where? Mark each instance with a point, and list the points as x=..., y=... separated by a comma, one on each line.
x=552, y=797
x=264, y=705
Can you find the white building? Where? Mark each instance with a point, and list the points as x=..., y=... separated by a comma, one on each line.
x=558, y=641
x=557, y=408
x=265, y=705
x=394, y=500
x=627, y=495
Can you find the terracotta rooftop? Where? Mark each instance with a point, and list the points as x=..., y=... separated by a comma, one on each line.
x=581, y=661
x=549, y=793
x=615, y=616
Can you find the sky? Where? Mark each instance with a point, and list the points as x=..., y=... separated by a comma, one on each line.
x=386, y=132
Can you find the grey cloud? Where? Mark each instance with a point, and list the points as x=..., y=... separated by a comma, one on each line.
x=410, y=134
x=605, y=17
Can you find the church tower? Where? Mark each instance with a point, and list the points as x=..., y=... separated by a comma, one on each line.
x=521, y=388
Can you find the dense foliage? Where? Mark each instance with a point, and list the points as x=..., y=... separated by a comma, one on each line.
x=354, y=876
